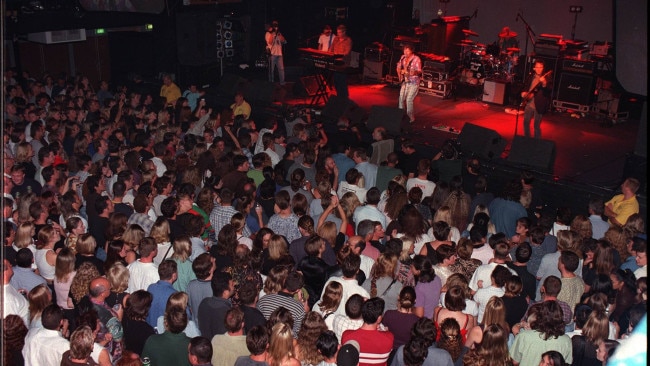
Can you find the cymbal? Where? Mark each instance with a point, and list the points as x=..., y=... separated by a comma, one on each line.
x=466, y=42
x=509, y=34
x=470, y=32
x=513, y=49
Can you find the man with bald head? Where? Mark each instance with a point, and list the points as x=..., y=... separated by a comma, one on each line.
x=109, y=317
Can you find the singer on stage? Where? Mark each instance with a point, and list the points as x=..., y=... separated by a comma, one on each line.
x=536, y=99
x=409, y=69
x=274, y=41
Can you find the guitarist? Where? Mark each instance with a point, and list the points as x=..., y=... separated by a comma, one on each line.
x=274, y=42
x=536, y=99
x=409, y=70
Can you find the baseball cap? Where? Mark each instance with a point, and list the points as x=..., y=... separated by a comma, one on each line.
x=348, y=354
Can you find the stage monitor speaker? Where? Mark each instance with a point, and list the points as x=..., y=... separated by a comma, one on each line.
x=337, y=107
x=495, y=92
x=309, y=85
x=576, y=88
x=536, y=154
x=481, y=141
x=388, y=117
x=196, y=37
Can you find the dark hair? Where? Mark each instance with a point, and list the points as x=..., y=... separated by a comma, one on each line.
x=570, y=260
x=372, y=309
x=350, y=265
x=201, y=347
x=353, y=306
x=327, y=344
x=581, y=314
x=138, y=305
x=167, y=268
x=176, y=319
x=51, y=317
x=523, y=252
x=501, y=275
x=555, y=357
x=220, y=283
x=423, y=264
x=257, y=339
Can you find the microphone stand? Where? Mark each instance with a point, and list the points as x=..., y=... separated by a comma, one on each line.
x=529, y=35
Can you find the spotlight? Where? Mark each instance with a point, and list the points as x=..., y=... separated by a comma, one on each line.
x=230, y=52
x=218, y=36
x=227, y=34
x=227, y=24
x=220, y=54
x=575, y=9
x=228, y=43
x=219, y=45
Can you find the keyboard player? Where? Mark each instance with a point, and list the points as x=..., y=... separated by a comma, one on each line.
x=342, y=45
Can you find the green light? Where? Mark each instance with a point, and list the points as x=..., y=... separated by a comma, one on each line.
x=100, y=31
x=148, y=27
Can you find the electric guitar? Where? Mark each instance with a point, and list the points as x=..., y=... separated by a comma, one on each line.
x=532, y=91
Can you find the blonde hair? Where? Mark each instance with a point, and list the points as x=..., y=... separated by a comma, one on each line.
x=177, y=299
x=81, y=343
x=86, y=244
x=407, y=242
x=495, y=313
x=277, y=247
x=118, y=276
x=24, y=235
x=569, y=240
x=160, y=231
x=349, y=202
x=328, y=232
x=182, y=248
x=459, y=279
x=596, y=327
x=81, y=281
x=443, y=214
x=331, y=297
x=132, y=236
x=64, y=266
x=281, y=344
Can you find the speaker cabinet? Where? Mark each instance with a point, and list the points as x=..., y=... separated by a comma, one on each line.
x=536, y=154
x=373, y=70
x=196, y=38
x=481, y=141
x=387, y=117
x=495, y=92
x=576, y=88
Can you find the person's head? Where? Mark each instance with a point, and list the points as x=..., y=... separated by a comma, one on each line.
x=551, y=286
x=222, y=285
x=175, y=319
x=423, y=269
x=138, y=304
x=39, y=297
x=455, y=298
x=538, y=67
x=118, y=277
x=257, y=340
x=312, y=327
x=547, y=319
x=606, y=349
x=495, y=340
x=234, y=320
x=372, y=310
x=569, y=260
x=327, y=344
x=450, y=337
x=168, y=270
x=82, y=341
x=500, y=275
x=51, y=317
x=639, y=246
x=630, y=186
x=331, y=298
x=350, y=265
x=406, y=298
x=596, y=328
x=199, y=351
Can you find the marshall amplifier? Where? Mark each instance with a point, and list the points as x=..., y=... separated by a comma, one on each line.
x=578, y=66
x=575, y=91
x=442, y=66
x=430, y=75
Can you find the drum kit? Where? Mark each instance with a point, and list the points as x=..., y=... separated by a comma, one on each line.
x=478, y=61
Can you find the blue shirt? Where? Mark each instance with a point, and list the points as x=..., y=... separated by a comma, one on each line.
x=344, y=163
x=161, y=292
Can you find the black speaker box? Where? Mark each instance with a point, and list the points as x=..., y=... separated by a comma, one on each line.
x=388, y=117
x=481, y=141
x=536, y=154
x=576, y=88
x=309, y=85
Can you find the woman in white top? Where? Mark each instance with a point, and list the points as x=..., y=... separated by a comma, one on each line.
x=45, y=256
